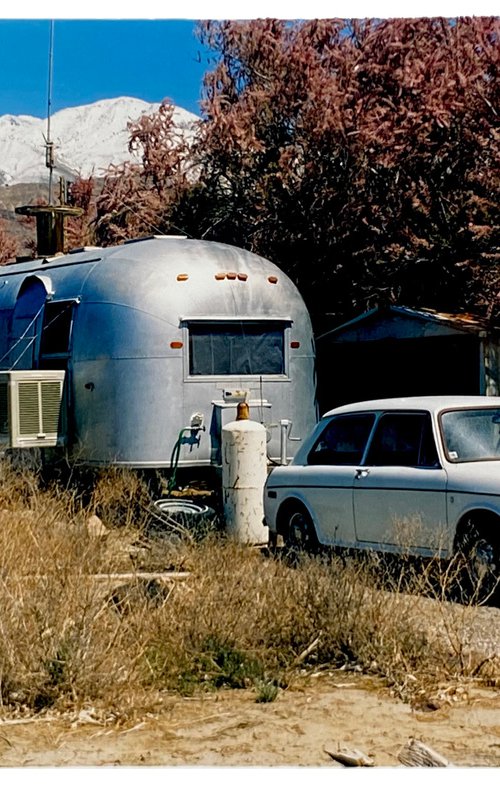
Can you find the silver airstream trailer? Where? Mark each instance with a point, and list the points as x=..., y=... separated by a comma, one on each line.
x=160, y=338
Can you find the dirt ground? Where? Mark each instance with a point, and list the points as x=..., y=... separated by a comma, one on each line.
x=230, y=728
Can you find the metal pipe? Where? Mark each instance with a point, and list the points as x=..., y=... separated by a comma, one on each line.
x=284, y=426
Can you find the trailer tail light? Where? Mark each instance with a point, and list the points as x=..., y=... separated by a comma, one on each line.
x=176, y=344
x=295, y=344
x=272, y=279
x=220, y=276
x=182, y=277
x=242, y=276
x=231, y=275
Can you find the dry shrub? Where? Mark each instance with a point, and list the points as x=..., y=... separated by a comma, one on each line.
x=56, y=639
x=239, y=611
x=239, y=619
x=120, y=497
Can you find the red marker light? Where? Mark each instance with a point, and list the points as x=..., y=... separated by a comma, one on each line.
x=176, y=344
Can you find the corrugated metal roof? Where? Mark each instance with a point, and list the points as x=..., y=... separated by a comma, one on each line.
x=463, y=320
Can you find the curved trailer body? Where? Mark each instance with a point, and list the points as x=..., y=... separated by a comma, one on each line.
x=160, y=339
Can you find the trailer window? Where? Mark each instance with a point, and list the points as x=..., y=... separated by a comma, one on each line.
x=56, y=334
x=225, y=348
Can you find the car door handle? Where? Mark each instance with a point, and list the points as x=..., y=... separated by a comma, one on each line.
x=361, y=473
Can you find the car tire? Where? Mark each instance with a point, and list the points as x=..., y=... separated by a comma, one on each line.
x=299, y=534
x=479, y=574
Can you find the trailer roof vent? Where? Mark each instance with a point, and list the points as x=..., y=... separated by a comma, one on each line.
x=84, y=248
x=154, y=237
x=55, y=258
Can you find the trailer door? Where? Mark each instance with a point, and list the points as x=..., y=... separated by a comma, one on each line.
x=26, y=323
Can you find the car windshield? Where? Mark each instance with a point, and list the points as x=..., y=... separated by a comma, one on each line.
x=471, y=434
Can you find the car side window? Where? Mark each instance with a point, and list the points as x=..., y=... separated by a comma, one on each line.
x=343, y=440
x=403, y=440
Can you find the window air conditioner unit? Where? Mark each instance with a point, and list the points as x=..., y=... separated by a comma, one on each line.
x=31, y=409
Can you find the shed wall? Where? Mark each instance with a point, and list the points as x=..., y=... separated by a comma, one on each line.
x=362, y=370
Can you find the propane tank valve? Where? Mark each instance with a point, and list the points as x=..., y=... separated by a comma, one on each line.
x=242, y=411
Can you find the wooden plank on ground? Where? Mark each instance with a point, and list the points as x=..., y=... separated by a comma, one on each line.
x=350, y=757
x=417, y=754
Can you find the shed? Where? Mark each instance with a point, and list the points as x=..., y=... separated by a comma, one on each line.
x=398, y=351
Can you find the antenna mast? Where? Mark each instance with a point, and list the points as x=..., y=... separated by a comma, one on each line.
x=49, y=218
x=49, y=145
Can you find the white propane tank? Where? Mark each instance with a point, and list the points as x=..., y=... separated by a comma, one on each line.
x=244, y=472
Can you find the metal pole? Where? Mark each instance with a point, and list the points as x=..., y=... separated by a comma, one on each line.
x=49, y=158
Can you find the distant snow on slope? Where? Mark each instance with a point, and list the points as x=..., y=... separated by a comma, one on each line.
x=87, y=139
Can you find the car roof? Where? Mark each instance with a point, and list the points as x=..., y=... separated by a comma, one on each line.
x=430, y=403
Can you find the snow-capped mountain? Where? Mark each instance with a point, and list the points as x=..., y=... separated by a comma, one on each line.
x=86, y=139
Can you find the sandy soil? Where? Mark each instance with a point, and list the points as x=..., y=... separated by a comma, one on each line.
x=230, y=728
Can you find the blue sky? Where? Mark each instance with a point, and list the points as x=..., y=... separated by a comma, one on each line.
x=96, y=59
x=100, y=53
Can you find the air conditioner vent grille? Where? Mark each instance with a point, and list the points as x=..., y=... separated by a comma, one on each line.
x=32, y=411
x=51, y=405
x=29, y=418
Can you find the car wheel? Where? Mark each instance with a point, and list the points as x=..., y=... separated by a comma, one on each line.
x=299, y=533
x=480, y=573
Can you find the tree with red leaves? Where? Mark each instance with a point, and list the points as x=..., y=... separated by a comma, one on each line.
x=138, y=198
x=9, y=246
x=79, y=231
x=362, y=157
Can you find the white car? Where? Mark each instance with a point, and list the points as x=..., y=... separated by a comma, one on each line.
x=419, y=475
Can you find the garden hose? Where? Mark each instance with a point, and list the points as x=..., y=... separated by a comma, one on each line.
x=174, y=460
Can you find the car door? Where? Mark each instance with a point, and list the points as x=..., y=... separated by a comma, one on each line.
x=327, y=479
x=400, y=491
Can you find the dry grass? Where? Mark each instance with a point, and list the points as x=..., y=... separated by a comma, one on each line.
x=240, y=619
